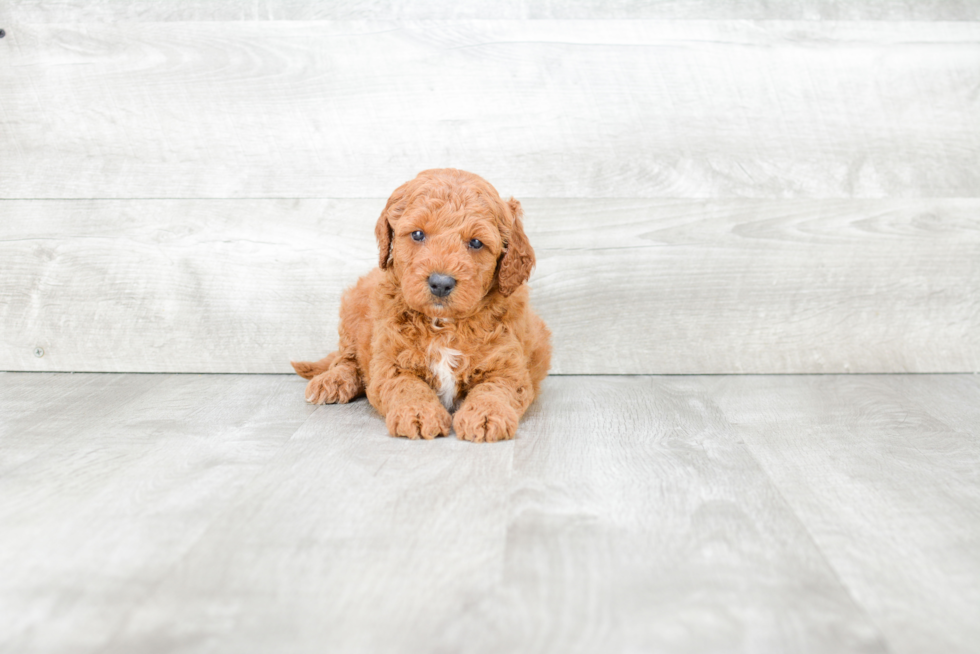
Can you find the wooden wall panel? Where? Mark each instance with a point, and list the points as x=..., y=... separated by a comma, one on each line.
x=189, y=186
x=628, y=286
x=266, y=10
x=545, y=108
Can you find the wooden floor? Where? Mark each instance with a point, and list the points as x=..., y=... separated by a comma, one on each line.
x=214, y=513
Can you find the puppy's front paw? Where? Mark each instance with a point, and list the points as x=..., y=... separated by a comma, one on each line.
x=483, y=421
x=340, y=384
x=423, y=421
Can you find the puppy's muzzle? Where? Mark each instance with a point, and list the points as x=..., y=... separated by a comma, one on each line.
x=441, y=285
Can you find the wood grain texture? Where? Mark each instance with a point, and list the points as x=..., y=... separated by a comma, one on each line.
x=26, y=400
x=627, y=286
x=65, y=11
x=543, y=108
x=883, y=471
x=349, y=541
x=113, y=499
x=221, y=514
x=639, y=523
x=40, y=414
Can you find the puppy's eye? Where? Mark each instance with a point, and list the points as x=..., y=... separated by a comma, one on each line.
x=418, y=235
x=476, y=244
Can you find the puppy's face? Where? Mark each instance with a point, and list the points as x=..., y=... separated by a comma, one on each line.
x=450, y=241
x=445, y=254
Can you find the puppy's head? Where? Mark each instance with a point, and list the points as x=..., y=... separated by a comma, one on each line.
x=450, y=240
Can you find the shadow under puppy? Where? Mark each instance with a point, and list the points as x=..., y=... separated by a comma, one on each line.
x=444, y=323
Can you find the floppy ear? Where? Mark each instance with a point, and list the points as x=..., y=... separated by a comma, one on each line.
x=518, y=259
x=382, y=231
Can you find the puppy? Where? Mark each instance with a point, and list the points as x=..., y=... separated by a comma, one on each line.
x=441, y=335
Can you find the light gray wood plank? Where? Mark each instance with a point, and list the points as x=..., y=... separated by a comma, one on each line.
x=950, y=400
x=626, y=516
x=348, y=541
x=627, y=286
x=885, y=479
x=40, y=425
x=173, y=286
x=90, y=527
x=28, y=399
x=639, y=523
x=683, y=514
x=33, y=11
x=544, y=108
x=749, y=287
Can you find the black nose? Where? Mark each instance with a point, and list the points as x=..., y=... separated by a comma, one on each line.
x=441, y=285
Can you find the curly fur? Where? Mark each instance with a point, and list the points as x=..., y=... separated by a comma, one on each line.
x=481, y=350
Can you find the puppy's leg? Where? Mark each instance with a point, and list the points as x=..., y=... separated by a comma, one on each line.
x=338, y=385
x=341, y=381
x=337, y=378
x=493, y=408
x=409, y=405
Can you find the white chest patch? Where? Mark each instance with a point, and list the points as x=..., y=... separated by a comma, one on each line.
x=443, y=368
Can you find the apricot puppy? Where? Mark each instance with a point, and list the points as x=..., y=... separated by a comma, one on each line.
x=441, y=335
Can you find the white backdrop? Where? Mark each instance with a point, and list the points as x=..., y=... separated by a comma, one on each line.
x=189, y=186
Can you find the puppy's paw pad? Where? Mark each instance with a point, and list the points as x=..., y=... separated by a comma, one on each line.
x=424, y=421
x=337, y=385
x=484, y=422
